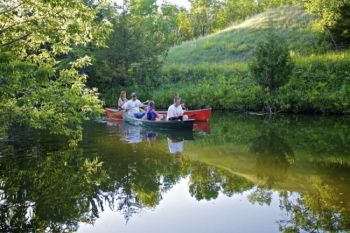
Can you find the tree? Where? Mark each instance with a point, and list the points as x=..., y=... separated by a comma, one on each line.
x=34, y=90
x=271, y=65
x=136, y=49
x=263, y=4
x=333, y=17
x=169, y=15
x=184, y=26
x=235, y=10
x=204, y=14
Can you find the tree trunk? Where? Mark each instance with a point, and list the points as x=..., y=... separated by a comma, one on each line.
x=332, y=38
x=269, y=109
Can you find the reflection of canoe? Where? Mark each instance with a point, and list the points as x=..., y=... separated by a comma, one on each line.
x=202, y=126
x=197, y=115
x=169, y=125
x=175, y=134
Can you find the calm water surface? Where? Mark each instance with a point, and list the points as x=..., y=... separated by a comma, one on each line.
x=240, y=173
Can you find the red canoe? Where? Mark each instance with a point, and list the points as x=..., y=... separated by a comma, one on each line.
x=197, y=115
x=114, y=113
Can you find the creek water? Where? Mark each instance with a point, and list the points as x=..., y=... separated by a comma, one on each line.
x=237, y=173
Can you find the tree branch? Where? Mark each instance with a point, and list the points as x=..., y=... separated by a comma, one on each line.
x=14, y=40
x=11, y=9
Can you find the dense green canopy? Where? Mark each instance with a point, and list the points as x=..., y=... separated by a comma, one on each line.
x=34, y=89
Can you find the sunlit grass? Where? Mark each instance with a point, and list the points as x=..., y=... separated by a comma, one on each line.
x=237, y=42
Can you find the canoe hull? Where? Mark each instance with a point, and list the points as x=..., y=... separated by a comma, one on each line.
x=164, y=125
x=197, y=115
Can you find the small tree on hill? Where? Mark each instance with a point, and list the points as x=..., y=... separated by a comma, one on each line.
x=271, y=65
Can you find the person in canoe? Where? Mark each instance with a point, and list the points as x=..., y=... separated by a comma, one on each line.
x=175, y=111
x=132, y=107
x=151, y=113
x=122, y=99
x=177, y=95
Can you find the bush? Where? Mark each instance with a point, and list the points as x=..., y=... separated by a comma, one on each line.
x=318, y=84
x=234, y=93
x=271, y=65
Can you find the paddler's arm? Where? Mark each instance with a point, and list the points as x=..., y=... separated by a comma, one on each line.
x=125, y=107
x=143, y=106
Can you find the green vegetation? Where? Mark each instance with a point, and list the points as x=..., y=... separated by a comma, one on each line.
x=271, y=66
x=317, y=84
x=333, y=17
x=36, y=88
x=208, y=73
x=237, y=43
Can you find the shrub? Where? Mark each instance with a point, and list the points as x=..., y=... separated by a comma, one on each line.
x=317, y=84
x=271, y=65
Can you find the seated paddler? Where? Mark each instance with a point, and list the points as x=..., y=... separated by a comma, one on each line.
x=132, y=107
x=151, y=113
x=175, y=111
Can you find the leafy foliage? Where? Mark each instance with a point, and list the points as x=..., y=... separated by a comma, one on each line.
x=334, y=17
x=34, y=90
x=317, y=84
x=271, y=65
x=136, y=47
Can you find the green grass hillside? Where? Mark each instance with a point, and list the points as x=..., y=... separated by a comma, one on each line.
x=212, y=71
x=236, y=43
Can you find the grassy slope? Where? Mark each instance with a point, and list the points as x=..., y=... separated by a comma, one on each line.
x=236, y=43
x=213, y=70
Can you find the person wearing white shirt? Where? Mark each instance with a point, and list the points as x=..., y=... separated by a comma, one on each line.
x=132, y=107
x=175, y=111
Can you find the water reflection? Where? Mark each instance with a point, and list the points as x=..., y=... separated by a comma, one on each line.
x=299, y=167
x=175, y=139
x=176, y=147
x=319, y=209
x=132, y=134
x=48, y=190
x=274, y=155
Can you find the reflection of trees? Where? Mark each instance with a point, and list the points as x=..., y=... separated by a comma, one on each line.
x=55, y=188
x=59, y=188
x=48, y=192
x=138, y=181
x=274, y=155
x=207, y=181
x=320, y=137
x=320, y=209
x=260, y=196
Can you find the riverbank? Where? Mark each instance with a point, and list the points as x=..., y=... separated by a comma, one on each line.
x=318, y=84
